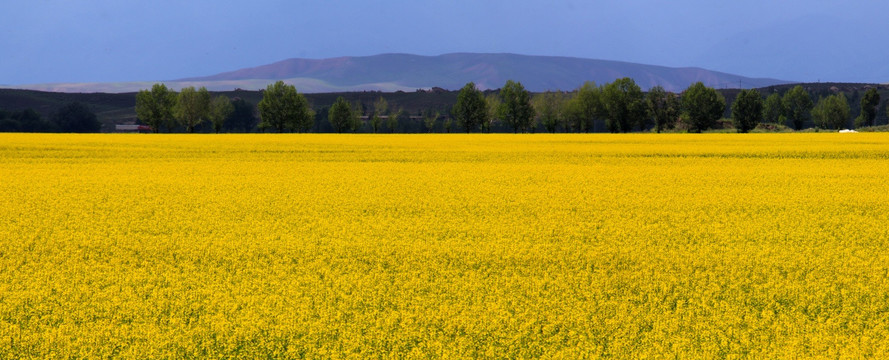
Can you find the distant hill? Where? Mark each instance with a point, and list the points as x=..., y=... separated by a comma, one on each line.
x=488, y=71
x=393, y=72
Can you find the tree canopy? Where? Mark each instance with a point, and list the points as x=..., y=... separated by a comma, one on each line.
x=492, y=111
x=155, y=107
x=585, y=107
x=192, y=107
x=242, y=117
x=747, y=110
x=831, y=112
x=27, y=120
x=624, y=105
x=470, y=109
x=869, y=103
x=282, y=107
x=220, y=109
x=702, y=106
x=515, y=109
x=341, y=115
x=429, y=120
x=663, y=108
x=773, y=110
x=381, y=108
x=76, y=118
x=798, y=106
x=392, y=122
x=549, y=107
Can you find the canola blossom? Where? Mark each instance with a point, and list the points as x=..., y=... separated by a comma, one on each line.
x=568, y=246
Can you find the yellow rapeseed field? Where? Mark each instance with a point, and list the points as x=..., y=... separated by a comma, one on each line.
x=452, y=246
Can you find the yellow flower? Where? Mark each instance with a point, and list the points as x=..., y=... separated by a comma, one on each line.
x=444, y=246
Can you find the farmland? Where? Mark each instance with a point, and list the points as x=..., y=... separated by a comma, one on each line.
x=444, y=246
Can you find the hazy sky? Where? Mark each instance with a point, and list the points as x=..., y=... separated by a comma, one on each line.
x=121, y=40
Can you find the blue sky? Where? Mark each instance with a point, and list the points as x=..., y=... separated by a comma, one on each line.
x=118, y=40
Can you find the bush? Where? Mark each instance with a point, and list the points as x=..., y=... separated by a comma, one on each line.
x=76, y=118
x=880, y=128
x=771, y=128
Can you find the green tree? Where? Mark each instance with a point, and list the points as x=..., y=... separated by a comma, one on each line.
x=76, y=118
x=515, y=109
x=663, y=108
x=549, y=107
x=585, y=107
x=155, y=107
x=702, y=106
x=305, y=116
x=192, y=107
x=818, y=113
x=492, y=109
x=243, y=116
x=392, y=122
x=831, y=112
x=747, y=110
x=220, y=109
x=282, y=107
x=798, y=106
x=341, y=115
x=773, y=110
x=7, y=124
x=28, y=120
x=381, y=108
x=376, y=122
x=448, y=124
x=358, y=110
x=471, y=109
x=622, y=101
x=869, y=103
x=429, y=120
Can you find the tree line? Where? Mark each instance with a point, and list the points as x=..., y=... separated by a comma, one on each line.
x=619, y=106
x=624, y=107
x=282, y=109
x=73, y=117
x=162, y=107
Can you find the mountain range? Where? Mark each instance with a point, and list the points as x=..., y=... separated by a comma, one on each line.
x=393, y=72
